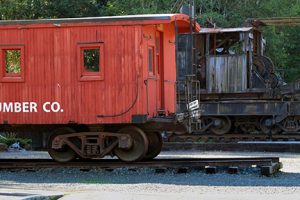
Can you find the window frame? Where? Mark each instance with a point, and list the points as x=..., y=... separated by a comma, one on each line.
x=151, y=73
x=90, y=76
x=12, y=77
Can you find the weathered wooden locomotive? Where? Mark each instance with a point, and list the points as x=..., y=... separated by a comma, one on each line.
x=102, y=86
x=238, y=88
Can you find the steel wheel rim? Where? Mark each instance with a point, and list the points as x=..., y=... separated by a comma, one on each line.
x=155, y=145
x=225, y=128
x=139, y=146
x=65, y=154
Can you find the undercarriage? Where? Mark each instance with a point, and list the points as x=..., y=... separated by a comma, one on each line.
x=129, y=144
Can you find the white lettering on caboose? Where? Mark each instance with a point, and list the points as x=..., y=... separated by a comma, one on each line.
x=29, y=107
x=18, y=107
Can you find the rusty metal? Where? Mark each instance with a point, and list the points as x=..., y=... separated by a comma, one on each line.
x=139, y=145
x=155, y=145
x=64, y=153
x=92, y=144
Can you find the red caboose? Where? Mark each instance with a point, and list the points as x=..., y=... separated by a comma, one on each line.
x=90, y=78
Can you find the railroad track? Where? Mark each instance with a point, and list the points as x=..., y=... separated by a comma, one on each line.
x=268, y=165
x=254, y=146
x=230, y=138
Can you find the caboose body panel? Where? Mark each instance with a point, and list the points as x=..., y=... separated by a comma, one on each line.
x=88, y=71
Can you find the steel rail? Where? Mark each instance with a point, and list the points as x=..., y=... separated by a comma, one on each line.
x=10, y=164
x=293, y=147
x=231, y=137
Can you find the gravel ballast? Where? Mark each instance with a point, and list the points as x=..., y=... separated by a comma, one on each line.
x=145, y=184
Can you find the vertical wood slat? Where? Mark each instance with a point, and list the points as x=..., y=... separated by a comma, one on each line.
x=51, y=74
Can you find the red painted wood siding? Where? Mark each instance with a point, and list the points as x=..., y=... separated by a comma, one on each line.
x=51, y=73
x=169, y=70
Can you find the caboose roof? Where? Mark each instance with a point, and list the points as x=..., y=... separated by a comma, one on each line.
x=110, y=20
x=225, y=30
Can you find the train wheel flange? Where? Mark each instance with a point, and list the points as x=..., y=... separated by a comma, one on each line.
x=139, y=146
x=64, y=154
x=221, y=125
x=155, y=145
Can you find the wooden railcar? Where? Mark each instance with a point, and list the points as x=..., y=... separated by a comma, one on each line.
x=103, y=71
x=238, y=86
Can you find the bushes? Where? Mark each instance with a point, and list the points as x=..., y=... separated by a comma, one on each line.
x=11, y=138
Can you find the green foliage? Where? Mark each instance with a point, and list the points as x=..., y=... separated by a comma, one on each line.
x=118, y=7
x=36, y=9
x=91, y=60
x=13, y=61
x=10, y=138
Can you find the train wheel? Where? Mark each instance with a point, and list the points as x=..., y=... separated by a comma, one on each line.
x=155, y=145
x=65, y=154
x=139, y=146
x=267, y=127
x=221, y=125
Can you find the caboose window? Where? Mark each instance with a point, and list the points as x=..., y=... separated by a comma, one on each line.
x=12, y=61
x=150, y=59
x=91, y=61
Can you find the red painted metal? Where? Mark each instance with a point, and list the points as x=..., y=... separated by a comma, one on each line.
x=52, y=69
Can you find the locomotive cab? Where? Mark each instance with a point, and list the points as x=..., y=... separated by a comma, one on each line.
x=227, y=61
x=236, y=86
